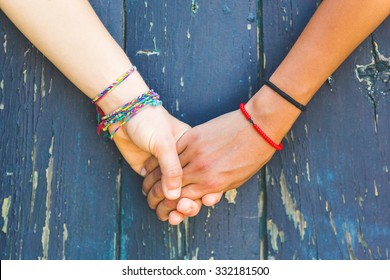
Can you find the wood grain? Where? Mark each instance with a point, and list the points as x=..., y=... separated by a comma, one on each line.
x=328, y=191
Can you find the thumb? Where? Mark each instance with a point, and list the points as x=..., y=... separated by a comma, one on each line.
x=171, y=171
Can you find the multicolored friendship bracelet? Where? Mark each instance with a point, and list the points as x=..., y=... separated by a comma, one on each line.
x=127, y=111
x=114, y=85
x=257, y=128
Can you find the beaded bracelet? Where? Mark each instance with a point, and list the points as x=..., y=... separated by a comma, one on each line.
x=258, y=129
x=114, y=85
x=127, y=111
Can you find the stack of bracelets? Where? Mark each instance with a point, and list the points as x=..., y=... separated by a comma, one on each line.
x=123, y=114
x=257, y=128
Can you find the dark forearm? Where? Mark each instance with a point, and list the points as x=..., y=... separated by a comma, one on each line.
x=335, y=30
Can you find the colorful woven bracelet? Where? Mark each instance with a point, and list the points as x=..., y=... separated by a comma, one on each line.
x=127, y=111
x=114, y=85
x=258, y=129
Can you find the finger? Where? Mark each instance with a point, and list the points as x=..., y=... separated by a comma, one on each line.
x=150, y=180
x=181, y=145
x=211, y=198
x=171, y=170
x=155, y=196
x=183, y=142
x=154, y=176
x=194, y=191
x=175, y=218
x=151, y=164
x=189, y=207
x=164, y=208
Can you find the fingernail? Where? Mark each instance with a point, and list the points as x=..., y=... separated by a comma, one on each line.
x=173, y=194
x=143, y=172
x=144, y=193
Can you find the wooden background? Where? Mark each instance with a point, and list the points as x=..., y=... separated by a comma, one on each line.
x=325, y=196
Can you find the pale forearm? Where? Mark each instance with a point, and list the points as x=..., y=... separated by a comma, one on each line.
x=70, y=35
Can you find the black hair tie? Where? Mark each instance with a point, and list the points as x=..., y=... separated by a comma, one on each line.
x=285, y=96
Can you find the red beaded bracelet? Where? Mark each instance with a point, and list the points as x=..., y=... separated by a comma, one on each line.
x=258, y=129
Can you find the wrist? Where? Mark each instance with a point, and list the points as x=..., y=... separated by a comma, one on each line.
x=129, y=89
x=272, y=113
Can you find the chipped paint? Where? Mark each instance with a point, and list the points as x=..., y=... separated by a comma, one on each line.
x=364, y=243
x=182, y=81
x=274, y=233
x=24, y=76
x=375, y=189
x=26, y=52
x=46, y=228
x=188, y=34
x=148, y=52
x=375, y=76
x=5, y=43
x=194, y=7
x=348, y=239
x=291, y=208
x=260, y=205
x=179, y=241
x=43, y=91
x=186, y=225
x=64, y=239
x=208, y=212
x=226, y=10
x=50, y=85
x=4, y=212
x=195, y=255
x=251, y=18
x=177, y=105
x=35, y=92
x=231, y=196
x=1, y=106
x=330, y=82
x=2, y=85
x=307, y=170
x=34, y=175
x=377, y=70
x=332, y=223
x=249, y=26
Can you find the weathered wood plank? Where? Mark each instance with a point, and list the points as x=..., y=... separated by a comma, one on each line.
x=202, y=57
x=58, y=179
x=328, y=191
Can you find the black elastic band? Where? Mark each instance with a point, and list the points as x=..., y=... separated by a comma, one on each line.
x=285, y=96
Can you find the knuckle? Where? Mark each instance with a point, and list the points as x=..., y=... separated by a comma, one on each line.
x=203, y=165
x=170, y=204
x=157, y=192
x=214, y=183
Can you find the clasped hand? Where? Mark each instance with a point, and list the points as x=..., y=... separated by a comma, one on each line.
x=205, y=161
